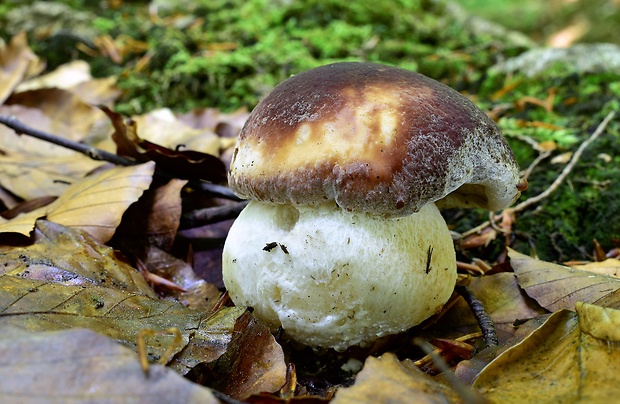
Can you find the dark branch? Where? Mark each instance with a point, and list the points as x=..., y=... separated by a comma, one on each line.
x=216, y=214
x=92, y=152
x=485, y=322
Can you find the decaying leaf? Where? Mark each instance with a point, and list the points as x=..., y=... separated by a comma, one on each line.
x=71, y=257
x=386, y=379
x=254, y=362
x=558, y=287
x=95, y=204
x=79, y=366
x=572, y=357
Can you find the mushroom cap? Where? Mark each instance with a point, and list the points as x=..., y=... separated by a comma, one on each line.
x=374, y=139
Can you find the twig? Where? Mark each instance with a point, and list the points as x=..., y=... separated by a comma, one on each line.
x=565, y=172
x=485, y=322
x=92, y=152
x=211, y=215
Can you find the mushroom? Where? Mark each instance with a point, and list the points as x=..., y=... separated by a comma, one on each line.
x=346, y=165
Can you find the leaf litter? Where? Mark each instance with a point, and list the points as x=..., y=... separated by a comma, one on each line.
x=60, y=282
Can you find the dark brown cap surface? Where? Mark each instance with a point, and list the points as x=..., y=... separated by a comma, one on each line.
x=375, y=139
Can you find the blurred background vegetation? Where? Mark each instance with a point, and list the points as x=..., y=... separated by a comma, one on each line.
x=227, y=54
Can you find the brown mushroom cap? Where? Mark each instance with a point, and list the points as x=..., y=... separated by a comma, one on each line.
x=375, y=139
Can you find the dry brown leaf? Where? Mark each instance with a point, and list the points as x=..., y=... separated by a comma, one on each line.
x=611, y=267
x=155, y=218
x=95, y=204
x=163, y=128
x=209, y=341
x=254, y=362
x=69, y=116
x=388, y=380
x=82, y=366
x=38, y=177
x=65, y=76
x=503, y=300
x=197, y=293
x=17, y=62
x=558, y=287
x=572, y=357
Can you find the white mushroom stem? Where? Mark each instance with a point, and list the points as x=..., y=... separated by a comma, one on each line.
x=332, y=278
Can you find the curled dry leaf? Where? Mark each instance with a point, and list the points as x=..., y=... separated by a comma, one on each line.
x=44, y=367
x=386, y=379
x=182, y=164
x=572, y=357
x=154, y=219
x=17, y=62
x=254, y=362
x=196, y=293
x=558, y=287
x=95, y=204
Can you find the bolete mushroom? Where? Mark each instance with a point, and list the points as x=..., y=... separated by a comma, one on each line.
x=346, y=164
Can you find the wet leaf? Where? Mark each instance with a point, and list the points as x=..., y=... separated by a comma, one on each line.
x=386, y=379
x=572, y=357
x=95, y=204
x=80, y=365
x=558, y=287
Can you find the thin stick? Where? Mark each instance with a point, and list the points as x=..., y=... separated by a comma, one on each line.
x=485, y=322
x=211, y=215
x=565, y=172
x=92, y=152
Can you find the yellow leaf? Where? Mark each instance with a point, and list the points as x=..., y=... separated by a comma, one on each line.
x=95, y=204
x=571, y=358
x=386, y=379
x=611, y=267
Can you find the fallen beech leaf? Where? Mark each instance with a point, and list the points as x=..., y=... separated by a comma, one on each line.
x=64, y=77
x=38, y=177
x=558, y=287
x=80, y=365
x=611, y=267
x=254, y=362
x=95, y=204
x=503, y=300
x=17, y=62
x=49, y=306
x=70, y=117
x=386, y=379
x=71, y=257
x=162, y=127
x=570, y=358
x=209, y=341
